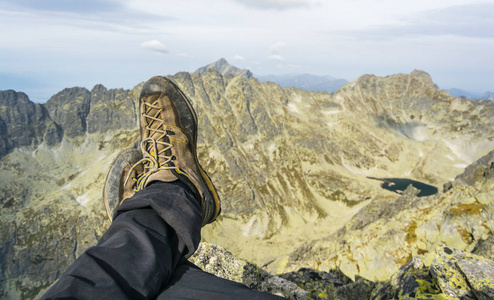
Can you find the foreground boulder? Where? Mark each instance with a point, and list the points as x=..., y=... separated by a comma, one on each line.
x=453, y=274
x=220, y=262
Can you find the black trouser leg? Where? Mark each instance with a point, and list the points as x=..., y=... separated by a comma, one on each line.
x=142, y=255
x=190, y=282
x=139, y=252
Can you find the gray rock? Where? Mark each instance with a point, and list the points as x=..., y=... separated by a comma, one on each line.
x=411, y=281
x=220, y=262
x=482, y=167
x=111, y=110
x=485, y=247
x=370, y=213
x=318, y=283
x=69, y=108
x=463, y=275
x=24, y=123
x=360, y=289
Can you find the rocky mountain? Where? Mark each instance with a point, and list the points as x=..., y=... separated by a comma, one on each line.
x=306, y=82
x=471, y=95
x=24, y=123
x=224, y=68
x=304, y=177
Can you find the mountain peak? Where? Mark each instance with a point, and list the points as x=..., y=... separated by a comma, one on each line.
x=420, y=78
x=222, y=61
x=224, y=68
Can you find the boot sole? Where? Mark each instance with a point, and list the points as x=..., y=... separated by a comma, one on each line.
x=113, y=189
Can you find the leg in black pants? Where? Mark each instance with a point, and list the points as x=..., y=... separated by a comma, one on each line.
x=143, y=254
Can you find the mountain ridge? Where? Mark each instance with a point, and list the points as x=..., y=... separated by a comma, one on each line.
x=291, y=166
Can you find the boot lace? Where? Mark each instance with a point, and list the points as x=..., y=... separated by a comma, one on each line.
x=153, y=149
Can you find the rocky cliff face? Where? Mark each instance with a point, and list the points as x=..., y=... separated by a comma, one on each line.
x=79, y=111
x=24, y=123
x=299, y=173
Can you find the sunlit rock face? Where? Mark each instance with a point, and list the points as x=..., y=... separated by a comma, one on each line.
x=295, y=171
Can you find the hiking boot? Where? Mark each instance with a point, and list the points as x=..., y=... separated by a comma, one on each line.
x=121, y=181
x=168, y=125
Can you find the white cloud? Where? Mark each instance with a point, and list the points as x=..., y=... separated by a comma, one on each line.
x=155, y=45
x=277, y=48
x=276, y=57
x=239, y=58
x=453, y=40
x=275, y=4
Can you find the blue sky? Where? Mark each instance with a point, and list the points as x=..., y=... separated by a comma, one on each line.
x=52, y=44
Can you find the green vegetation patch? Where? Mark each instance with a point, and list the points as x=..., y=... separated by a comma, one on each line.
x=469, y=209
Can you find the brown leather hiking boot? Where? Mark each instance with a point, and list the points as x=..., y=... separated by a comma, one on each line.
x=168, y=126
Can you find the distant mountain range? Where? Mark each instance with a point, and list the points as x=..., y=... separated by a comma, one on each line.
x=306, y=82
x=471, y=95
x=488, y=96
x=311, y=82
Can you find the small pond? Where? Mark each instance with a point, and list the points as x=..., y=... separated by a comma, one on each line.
x=398, y=185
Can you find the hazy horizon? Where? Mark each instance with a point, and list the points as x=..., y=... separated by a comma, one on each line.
x=53, y=44
x=257, y=76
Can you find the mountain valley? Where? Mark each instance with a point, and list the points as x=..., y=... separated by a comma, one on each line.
x=304, y=176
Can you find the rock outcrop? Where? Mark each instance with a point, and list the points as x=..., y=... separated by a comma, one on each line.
x=222, y=263
x=453, y=274
x=79, y=111
x=69, y=108
x=111, y=110
x=24, y=123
